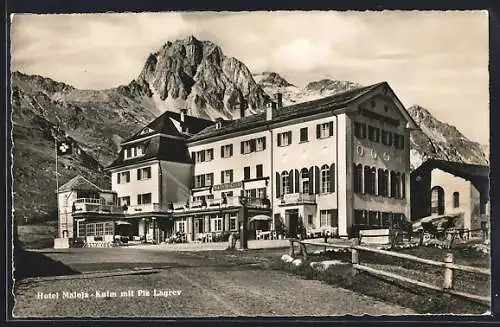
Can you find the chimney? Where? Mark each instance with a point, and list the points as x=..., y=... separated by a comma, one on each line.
x=183, y=114
x=278, y=97
x=270, y=106
x=183, y=119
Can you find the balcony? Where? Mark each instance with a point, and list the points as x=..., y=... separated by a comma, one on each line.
x=148, y=207
x=298, y=199
x=230, y=201
x=95, y=206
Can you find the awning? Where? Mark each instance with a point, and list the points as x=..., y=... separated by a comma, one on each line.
x=260, y=218
x=121, y=222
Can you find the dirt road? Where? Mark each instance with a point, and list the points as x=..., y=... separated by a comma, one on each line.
x=188, y=285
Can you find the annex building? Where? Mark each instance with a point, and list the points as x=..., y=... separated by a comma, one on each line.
x=339, y=163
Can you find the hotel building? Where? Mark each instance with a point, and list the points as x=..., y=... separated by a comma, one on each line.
x=338, y=162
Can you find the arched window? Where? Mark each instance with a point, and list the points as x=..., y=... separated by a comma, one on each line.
x=456, y=200
x=285, y=182
x=381, y=180
x=358, y=178
x=325, y=179
x=304, y=177
x=437, y=200
x=367, y=179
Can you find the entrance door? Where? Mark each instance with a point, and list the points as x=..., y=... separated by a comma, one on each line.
x=292, y=216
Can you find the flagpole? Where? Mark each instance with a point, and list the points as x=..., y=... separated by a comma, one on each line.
x=57, y=187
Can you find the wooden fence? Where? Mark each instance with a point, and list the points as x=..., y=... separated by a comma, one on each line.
x=447, y=264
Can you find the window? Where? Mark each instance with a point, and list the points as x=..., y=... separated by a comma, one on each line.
x=360, y=217
x=209, y=155
x=328, y=218
x=360, y=130
x=369, y=179
x=254, y=145
x=123, y=177
x=199, y=181
x=204, y=155
x=358, y=178
x=437, y=200
x=386, y=219
x=108, y=228
x=144, y=173
x=373, y=219
x=399, y=141
x=90, y=229
x=373, y=134
x=246, y=146
x=325, y=179
x=144, y=198
x=285, y=182
x=200, y=156
x=260, y=144
x=232, y=222
x=456, y=200
x=284, y=138
x=209, y=179
x=136, y=151
x=124, y=200
x=81, y=229
x=304, y=175
x=310, y=219
x=383, y=180
x=259, y=172
x=217, y=225
x=261, y=193
x=180, y=226
x=303, y=135
x=226, y=176
x=386, y=138
x=226, y=151
x=246, y=173
x=324, y=130
x=252, y=193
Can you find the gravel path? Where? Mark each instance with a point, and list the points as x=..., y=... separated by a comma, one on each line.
x=207, y=287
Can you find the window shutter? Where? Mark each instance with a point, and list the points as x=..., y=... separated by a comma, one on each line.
x=318, y=131
x=222, y=181
x=231, y=150
x=289, y=137
x=363, y=130
x=118, y=178
x=330, y=125
x=332, y=177
x=278, y=139
x=291, y=181
x=278, y=185
x=253, y=145
x=222, y=151
x=242, y=147
x=311, y=180
x=263, y=143
x=139, y=199
x=138, y=174
x=316, y=179
x=297, y=181
x=403, y=180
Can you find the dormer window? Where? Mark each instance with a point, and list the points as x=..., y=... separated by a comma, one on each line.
x=146, y=130
x=218, y=124
x=135, y=151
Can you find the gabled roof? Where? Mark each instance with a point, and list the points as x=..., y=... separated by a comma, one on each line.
x=334, y=102
x=164, y=124
x=464, y=170
x=79, y=183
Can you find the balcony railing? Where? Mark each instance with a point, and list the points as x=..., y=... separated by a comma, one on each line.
x=148, y=207
x=86, y=207
x=230, y=201
x=298, y=198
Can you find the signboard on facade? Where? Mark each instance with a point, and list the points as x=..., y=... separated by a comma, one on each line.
x=227, y=186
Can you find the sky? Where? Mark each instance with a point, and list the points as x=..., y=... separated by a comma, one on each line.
x=437, y=59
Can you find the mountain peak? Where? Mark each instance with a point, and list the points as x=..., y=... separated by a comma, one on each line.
x=271, y=79
x=327, y=84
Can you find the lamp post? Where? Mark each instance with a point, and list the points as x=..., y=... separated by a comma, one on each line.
x=244, y=227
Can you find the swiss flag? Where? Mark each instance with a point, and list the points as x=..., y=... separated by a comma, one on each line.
x=64, y=148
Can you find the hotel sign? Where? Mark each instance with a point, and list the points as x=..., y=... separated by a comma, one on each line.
x=227, y=186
